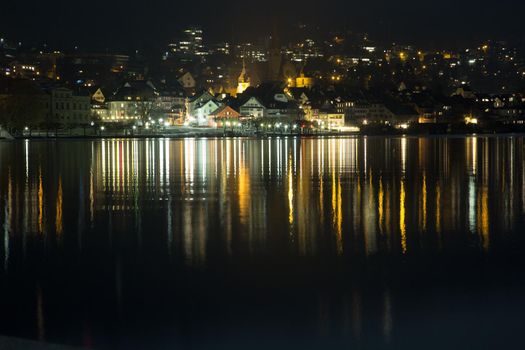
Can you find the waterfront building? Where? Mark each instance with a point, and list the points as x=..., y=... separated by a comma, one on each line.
x=170, y=103
x=203, y=113
x=223, y=114
x=69, y=107
x=133, y=102
x=98, y=104
x=253, y=108
x=330, y=119
x=197, y=100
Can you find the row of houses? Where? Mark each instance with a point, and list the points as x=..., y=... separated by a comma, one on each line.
x=266, y=101
x=143, y=101
x=23, y=101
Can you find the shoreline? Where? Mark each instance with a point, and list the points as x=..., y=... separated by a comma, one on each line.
x=262, y=136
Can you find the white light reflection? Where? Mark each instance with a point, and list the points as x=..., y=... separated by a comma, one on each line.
x=472, y=204
x=189, y=160
x=167, y=162
x=26, y=153
x=203, y=157
x=403, y=154
x=161, y=157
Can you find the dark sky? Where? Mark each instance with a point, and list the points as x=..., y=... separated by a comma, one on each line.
x=134, y=23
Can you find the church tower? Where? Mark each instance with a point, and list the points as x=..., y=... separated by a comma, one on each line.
x=244, y=80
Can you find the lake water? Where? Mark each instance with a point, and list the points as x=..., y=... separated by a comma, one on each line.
x=255, y=243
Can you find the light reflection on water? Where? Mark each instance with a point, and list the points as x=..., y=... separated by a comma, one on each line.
x=199, y=203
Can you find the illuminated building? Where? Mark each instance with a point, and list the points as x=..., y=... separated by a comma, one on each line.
x=202, y=114
x=253, y=108
x=190, y=44
x=223, y=114
x=197, y=100
x=243, y=81
x=304, y=82
x=132, y=102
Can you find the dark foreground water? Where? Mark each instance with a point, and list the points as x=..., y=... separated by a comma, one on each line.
x=398, y=243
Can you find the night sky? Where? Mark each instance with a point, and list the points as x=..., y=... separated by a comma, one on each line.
x=133, y=23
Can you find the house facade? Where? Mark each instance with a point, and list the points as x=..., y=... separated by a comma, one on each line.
x=133, y=102
x=223, y=114
x=253, y=108
x=70, y=108
x=203, y=113
x=187, y=81
x=195, y=102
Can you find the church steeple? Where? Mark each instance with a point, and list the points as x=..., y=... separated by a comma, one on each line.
x=244, y=79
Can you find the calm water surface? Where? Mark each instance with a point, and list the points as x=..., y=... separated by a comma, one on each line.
x=246, y=243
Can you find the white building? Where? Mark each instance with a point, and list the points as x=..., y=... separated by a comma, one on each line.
x=202, y=113
x=253, y=108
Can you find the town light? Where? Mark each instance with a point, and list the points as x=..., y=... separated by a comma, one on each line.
x=102, y=128
x=470, y=120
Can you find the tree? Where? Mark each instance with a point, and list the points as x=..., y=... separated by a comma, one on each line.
x=144, y=109
x=22, y=104
x=20, y=110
